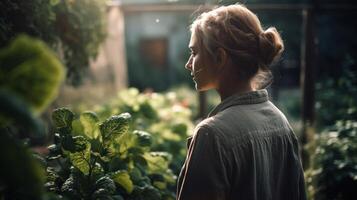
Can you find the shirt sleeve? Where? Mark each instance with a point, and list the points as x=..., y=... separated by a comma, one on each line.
x=205, y=173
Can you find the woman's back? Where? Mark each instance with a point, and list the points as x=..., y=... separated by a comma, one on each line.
x=250, y=152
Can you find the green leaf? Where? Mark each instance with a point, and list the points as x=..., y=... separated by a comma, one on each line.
x=134, y=140
x=122, y=178
x=158, y=180
x=80, y=156
x=54, y=150
x=179, y=128
x=146, y=192
x=62, y=118
x=97, y=171
x=158, y=162
x=115, y=126
x=143, y=139
x=69, y=188
x=104, y=186
x=89, y=121
x=74, y=144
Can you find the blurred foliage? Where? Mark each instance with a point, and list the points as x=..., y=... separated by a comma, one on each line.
x=30, y=76
x=30, y=71
x=94, y=159
x=336, y=98
x=333, y=175
x=73, y=28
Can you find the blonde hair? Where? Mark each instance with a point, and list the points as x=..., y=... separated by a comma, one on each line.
x=239, y=32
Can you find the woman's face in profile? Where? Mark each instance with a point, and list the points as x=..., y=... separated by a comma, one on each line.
x=201, y=66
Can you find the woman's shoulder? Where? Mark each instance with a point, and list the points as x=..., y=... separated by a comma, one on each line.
x=247, y=121
x=212, y=127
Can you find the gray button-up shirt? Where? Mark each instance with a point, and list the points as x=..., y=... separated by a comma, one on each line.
x=244, y=150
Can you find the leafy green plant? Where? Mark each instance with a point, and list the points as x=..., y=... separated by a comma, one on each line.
x=93, y=159
x=333, y=175
x=165, y=116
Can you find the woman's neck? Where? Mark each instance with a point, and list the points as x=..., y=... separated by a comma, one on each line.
x=229, y=87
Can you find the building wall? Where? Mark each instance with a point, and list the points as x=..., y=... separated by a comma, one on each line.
x=170, y=26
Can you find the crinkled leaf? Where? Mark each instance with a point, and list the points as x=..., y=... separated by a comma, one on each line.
x=51, y=175
x=116, y=163
x=158, y=180
x=57, y=138
x=89, y=121
x=140, y=160
x=97, y=171
x=135, y=175
x=74, y=144
x=80, y=159
x=114, y=126
x=122, y=178
x=69, y=188
x=62, y=118
x=136, y=139
x=54, y=151
x=143, y=139
x=51, y=186
x=104, y=185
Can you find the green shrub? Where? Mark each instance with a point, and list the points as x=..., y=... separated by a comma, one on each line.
x=91, y=159
x=333, y=175
x=166, y=117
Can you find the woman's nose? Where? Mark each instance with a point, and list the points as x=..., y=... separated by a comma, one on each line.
x=189, y=64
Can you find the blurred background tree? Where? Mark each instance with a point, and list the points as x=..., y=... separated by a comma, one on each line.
x=74, y=29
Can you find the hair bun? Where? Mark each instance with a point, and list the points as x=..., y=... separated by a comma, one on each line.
x=270, y=46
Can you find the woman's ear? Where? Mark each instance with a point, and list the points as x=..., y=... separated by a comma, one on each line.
x=222, y=58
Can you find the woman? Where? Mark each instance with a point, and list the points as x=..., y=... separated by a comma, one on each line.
x=246, y=148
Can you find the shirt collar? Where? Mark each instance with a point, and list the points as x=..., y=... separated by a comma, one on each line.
x=253, y=97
